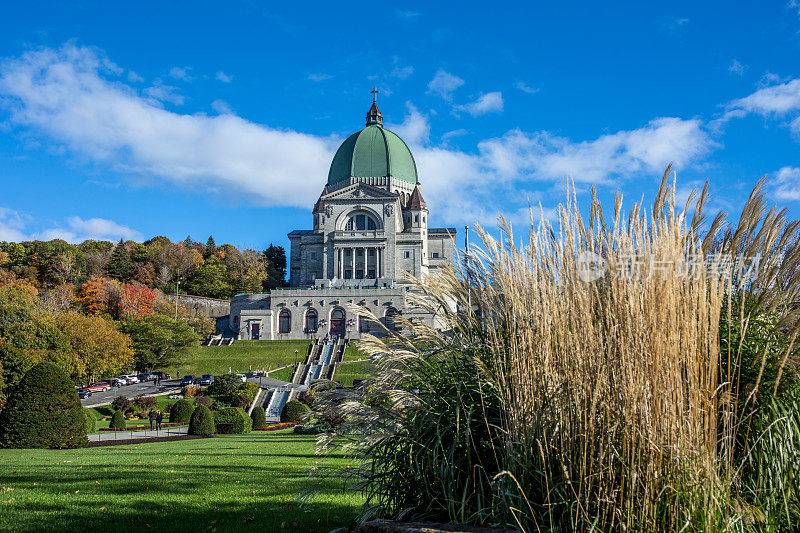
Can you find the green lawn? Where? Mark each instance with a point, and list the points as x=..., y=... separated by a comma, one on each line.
x=346, y=373
x=229, y=483
x=240, y=357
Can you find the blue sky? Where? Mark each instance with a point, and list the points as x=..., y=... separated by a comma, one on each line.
x=198, y=118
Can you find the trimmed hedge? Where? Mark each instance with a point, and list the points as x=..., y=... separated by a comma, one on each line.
x=259, y=418
x=233, y=415
x=294, y=411
x=91, y=420
x=117, y=420
x=202, y=421
x=181, y=412
x=43, y=411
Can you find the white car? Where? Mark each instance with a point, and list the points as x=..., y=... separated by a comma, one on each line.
x=131, y=378
x=243, y=377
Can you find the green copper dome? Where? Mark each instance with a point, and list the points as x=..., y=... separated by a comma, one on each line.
x=373, y=152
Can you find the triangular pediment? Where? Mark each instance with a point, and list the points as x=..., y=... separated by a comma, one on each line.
x=360, y=191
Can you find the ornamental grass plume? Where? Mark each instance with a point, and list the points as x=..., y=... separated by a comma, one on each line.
x=578, y=382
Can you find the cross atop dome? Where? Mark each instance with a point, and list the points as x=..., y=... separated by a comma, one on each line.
x=374, y=115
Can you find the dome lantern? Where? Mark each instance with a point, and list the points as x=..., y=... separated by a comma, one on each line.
x=374, y=115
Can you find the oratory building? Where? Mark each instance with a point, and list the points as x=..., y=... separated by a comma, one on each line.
x=370, y=227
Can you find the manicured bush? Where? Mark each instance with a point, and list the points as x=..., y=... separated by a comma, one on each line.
x=145, y=403
x=259, y=418
x=294, y=411
x=43, y=411
x=236, y=416
x=117, y=420
x=121, y=403
x=224, y=385
x=202, y=421
x=91, y=420
x=309, y=429
x=241, y=400
x=181, y=411
x=248, y=389
x=203, y=400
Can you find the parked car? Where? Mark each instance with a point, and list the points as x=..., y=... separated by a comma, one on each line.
x=83, y=393
x=133, y=378
x=187, y=380
x=115, y=382
x=146, y=376
x=243, y=377
x=161, y=375
x=205, y=379
x=98, y=387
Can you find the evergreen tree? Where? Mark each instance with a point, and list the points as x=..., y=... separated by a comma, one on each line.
x=276, y=267
x=43, y=411
x=120, y=265
x=188, y=242
x=211, y=246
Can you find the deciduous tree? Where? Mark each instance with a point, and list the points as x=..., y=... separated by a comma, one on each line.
x=159, y=341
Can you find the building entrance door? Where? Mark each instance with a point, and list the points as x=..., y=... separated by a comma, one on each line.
x=337, y=323
x=255, y=331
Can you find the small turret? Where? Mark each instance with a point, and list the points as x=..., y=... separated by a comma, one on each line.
x=374, y=115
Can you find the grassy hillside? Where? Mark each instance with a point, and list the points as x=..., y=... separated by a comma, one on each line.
x=229, y=483
x=241, y=357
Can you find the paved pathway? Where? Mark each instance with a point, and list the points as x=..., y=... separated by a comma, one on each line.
x=128, y=435
x=168, y=386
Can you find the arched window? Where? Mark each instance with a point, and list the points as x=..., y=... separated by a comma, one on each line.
x=285, y=321
x=391, y=319
x=363, y=324
x=337, y=322
x=361, y=221
x=311, y=321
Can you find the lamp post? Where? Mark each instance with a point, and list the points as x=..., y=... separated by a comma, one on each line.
x=295, y=359
x=177, y=292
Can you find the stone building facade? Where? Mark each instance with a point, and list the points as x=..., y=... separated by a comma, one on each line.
x=370, y=229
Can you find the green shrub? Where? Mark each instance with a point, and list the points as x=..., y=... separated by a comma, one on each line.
x=294, y=411
x=181, y=412
x=236, y=416
x=117, y=421
x=224, y=385
x=248, y=389
x=259, y=418
x=309, y=429
x=202, y=421
x=91, y=421
x=43, y=411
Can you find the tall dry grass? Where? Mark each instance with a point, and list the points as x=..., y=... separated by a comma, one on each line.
x=604, y=404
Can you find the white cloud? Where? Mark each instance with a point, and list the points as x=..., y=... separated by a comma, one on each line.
x=477, y=186
x=180, y=73
x=676, y=24
x=406, y=15
x=13, y=228
x=487, y=103
x=164, y=93
x=67, y=95
x=70, y=96
x=444, y=83
x=402, y=72
x=787, y=184
x=133, y=77
x=11, y=225
x=319, y=77
x=772, y=100
x=221, y=107
x=224, y=78
x=524, y=87
x=736, y=67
